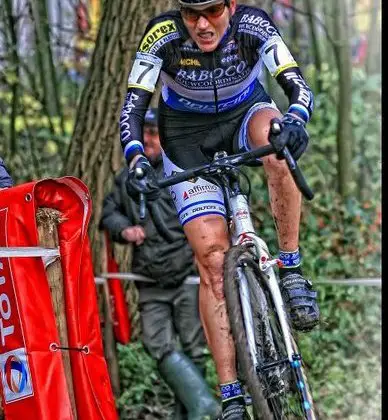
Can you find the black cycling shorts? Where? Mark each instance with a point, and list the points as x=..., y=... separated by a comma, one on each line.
x=190, y=139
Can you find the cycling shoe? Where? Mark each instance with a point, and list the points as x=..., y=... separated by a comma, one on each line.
x=235, y=411
x=300, y=300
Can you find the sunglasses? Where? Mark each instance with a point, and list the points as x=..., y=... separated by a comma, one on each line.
x=211, y=12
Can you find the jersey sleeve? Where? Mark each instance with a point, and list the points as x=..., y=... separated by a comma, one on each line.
x=282, y=66
x=142, y=81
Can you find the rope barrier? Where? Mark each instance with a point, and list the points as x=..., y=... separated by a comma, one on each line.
x=351, y=282
x=48, y=254
x=137, y=277
x=195, y=280
x=28, y=251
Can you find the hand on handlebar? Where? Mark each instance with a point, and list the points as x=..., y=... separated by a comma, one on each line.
x=142, y=179
x=292, y=134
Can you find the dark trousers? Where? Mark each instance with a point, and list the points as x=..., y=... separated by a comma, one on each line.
x=169, y=317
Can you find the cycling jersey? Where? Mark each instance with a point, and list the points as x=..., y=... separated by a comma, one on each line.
x=212, y=82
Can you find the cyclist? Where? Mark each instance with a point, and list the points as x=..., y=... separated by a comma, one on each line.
x=209, y=55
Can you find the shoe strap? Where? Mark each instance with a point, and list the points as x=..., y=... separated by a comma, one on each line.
x=291, y=294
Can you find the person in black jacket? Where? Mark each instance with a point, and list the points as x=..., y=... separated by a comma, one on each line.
x=168, y=309
x=5, y=178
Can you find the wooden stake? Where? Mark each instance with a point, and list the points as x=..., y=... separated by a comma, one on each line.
x=47, y=221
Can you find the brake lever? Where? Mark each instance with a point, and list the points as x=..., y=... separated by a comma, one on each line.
x=296, y=173
x=139, y=173
x=142, y=206
x=275, y=129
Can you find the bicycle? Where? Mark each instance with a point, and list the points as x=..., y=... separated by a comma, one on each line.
x=268, y=358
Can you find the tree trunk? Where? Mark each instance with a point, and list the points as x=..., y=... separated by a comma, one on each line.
x=310, y=9
x=44, y=58
x=95, y=153
x=13, y=45
x=296, y=31
x=373, y=61
x=329, y=26
x=344, y=125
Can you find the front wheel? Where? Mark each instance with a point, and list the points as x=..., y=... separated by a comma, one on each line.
x=246, y=365
x=262, y=360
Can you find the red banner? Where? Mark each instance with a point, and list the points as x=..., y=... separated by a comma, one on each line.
x=33, y=380
x=15, y=370
x=119, y=307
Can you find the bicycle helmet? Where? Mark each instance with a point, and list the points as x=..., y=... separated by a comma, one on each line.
x=202, y=4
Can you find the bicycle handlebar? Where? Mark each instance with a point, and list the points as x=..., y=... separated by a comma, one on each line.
x=223, y=165
x=237, y=160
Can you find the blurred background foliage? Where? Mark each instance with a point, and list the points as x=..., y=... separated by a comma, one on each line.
x=341, y=227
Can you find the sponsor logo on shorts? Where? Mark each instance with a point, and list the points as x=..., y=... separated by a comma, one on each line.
x=198, y=190
x=156, y=33
x=204, y=208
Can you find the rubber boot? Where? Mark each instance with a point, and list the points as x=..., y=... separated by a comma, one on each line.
x=189, y=386
x=180, y=412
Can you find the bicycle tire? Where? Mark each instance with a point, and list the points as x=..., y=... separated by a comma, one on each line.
x=278, y=385
x=232, y=298
x=292, y=376
x=287, y=404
